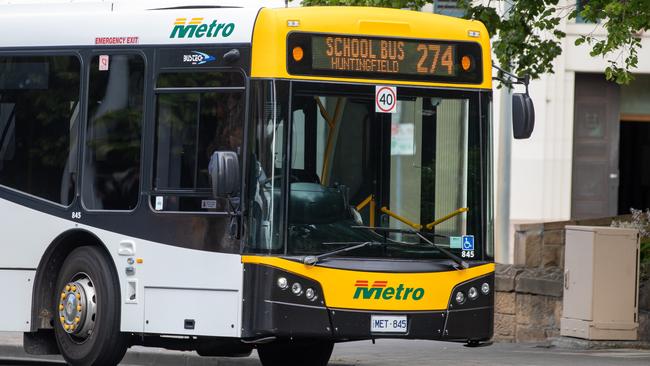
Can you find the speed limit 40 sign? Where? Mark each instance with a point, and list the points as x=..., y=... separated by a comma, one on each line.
x=385, y=99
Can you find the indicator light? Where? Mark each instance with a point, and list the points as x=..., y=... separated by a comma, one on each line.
x=472, y=293
x=485, y=288
x=466, y=63
x=283, y=283
x=310, y=294
x=460, y=298
x=296, y=288
x=293, y=23
x=298, y=53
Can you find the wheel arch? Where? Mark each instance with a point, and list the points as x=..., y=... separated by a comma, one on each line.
x=48, y=269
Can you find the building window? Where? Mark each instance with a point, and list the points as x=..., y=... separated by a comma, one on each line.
x=580, y=5
x=448, y=7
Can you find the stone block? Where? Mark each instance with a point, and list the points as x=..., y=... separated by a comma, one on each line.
x=558, y=225
x=505, y=276
x=644, y=295
x=535, y=311
x=554, y=237
x=644, y=326
x=552, y=256
x=504, y=302
x=557, y=313
x=503, y=339
x=529, y=227
x=528, y=248
x=504, y=325
x=530, y=333
x=552, y=333
x=541, y=281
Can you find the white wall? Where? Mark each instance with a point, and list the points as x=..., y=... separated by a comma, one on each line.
x=542, y=165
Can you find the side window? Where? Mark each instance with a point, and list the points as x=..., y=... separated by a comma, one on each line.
x=39, y=117
x=197, y=114
x=113, y=135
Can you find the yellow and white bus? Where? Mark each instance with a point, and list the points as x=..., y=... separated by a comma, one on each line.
x=221, y=176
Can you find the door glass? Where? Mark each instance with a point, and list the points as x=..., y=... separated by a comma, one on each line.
x=190, y=127
x=112, y=161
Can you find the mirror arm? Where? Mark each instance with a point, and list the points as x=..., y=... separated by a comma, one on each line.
x=512, y=78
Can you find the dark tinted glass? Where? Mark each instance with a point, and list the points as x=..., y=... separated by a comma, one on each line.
x=190, y=127
x=112, y=163
x=200, y=80
x=39, y=116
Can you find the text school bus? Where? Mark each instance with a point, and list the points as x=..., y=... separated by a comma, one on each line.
x=219, y=178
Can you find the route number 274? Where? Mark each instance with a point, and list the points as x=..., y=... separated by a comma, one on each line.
x=441, y=57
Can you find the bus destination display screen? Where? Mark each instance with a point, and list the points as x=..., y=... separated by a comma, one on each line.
x=383, y=55
x=390, y=58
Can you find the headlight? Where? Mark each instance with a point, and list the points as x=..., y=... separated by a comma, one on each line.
x=472, y=293
x=310, y=294
x=485, y=288
x=460, y=297
x=283, y=283
x=296, y=288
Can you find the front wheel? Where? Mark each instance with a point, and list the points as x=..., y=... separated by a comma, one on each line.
x=287, y=353
x=87, y=305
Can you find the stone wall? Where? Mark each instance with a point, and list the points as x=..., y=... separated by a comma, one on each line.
x=528, y=303
x=528, y=299
x=542, y=245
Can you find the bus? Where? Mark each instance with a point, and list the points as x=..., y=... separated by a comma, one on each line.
x=224, y=176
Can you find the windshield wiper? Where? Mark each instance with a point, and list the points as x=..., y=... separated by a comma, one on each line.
x=394, y=230
x=422, y=236
x=313, y=259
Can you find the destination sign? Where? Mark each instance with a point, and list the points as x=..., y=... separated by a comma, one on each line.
x=386, y=58
x=383, y=55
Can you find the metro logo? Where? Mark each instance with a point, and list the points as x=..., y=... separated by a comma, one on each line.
x=195, y=28
x=380, y=290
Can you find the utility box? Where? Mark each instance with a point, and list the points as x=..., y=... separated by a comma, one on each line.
x=601, y=281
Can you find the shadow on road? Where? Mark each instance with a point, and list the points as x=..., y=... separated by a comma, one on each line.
x=23, y=362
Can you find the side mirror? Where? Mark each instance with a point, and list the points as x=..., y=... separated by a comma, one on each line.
x=523, y=115
x=224, y=174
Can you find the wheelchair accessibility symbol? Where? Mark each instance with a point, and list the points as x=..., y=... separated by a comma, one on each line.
x=468, y=242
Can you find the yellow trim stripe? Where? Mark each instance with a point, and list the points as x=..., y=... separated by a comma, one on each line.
x=339, y=285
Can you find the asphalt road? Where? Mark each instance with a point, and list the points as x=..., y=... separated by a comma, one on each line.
x=387, y=353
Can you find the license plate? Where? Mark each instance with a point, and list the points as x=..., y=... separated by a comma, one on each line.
x=388, y=324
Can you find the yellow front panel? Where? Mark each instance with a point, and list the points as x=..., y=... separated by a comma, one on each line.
x=271, y=29
x=339, y=286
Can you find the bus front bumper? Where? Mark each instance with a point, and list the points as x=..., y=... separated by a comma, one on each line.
x=269, y=312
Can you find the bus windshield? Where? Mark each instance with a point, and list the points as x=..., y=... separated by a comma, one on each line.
x=356, y=175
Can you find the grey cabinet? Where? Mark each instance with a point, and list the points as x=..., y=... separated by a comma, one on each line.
x=601, y=283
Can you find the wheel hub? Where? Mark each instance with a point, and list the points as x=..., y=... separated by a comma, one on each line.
x=77, y=307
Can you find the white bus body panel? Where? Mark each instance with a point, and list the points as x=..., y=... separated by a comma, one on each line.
x=41, y=28
x=171, y=285
x=17, y=287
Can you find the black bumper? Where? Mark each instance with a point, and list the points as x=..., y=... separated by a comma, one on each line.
x=272, y=313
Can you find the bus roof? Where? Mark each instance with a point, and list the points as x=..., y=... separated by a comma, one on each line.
x=59, y=23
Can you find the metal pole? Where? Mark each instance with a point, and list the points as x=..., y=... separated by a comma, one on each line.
x=502, y=217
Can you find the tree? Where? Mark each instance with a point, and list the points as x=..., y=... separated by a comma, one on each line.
x=527, y=35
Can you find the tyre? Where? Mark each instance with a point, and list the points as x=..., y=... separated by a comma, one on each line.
x=305, y=353
x=87, y=308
